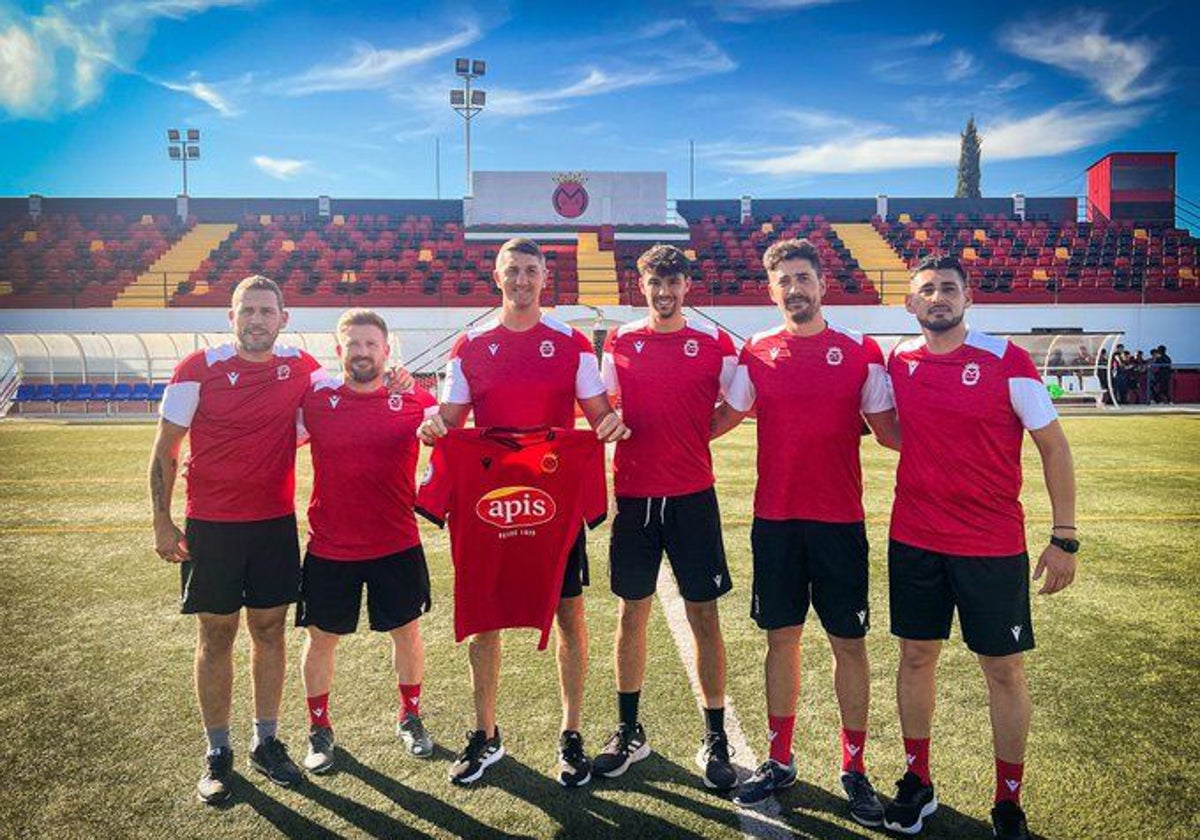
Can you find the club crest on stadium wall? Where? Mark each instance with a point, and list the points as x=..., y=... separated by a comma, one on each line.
x=570, y=198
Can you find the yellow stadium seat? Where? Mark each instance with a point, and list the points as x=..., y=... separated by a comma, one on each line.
x=980, y=235
x=691, y=254
x=349, y=277
x=287, y=245
x=767, y=227
x=970, y=254
x=1062, y=254
x=1040, y=274
x=426, y=255
x=97, y=245
x=1187, y=273
x=904, y=218
x=1139, y=233
x=5, y=289
x=30, y=236
x=264, y=219
x=921, y=235
x=147, y=219
x=339, y=220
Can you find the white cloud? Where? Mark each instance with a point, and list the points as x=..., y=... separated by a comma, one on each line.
x=368, y=68
x=1078, y=45
x=1012, y=81
x=207, y=93
x=1060, y=129
x=60, y=59
x=282, y=169
x=925, y=39
x=741, y=11
x=962, y=65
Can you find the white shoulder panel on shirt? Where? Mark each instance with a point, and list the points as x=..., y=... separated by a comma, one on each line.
x=759, y=336
x=478, y=330
x=632, y=326
x=556, y=325
x=908, y=346
x=220, y=353
x=853, y=335
x=990, y=343
x=706, y=327
x=287, y=351
x=328, y=382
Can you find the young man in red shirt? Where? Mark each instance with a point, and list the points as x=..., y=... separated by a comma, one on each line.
x=965, y=400
x=811, y=383
x=239, y=548
x=526, y=369
x=668, y=372
x=362, y=531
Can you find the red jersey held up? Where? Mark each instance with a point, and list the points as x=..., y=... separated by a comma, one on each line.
x=963, y=416
x=241, y=421
x=810, y=393
x=529, y=378
x=364, y=454
x=669, y=384
x=516, y=501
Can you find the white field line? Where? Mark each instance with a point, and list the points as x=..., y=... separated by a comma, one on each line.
x=763, y=822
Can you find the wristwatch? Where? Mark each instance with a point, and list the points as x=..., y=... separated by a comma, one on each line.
x=1067, y=544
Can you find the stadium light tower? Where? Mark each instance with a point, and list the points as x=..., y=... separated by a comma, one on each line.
x=183, y=146
x=468, y=102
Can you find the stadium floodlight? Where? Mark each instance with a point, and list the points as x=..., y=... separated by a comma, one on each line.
x=183, y=146
x=468, y=102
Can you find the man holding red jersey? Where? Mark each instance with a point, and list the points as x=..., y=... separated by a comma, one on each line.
x=965, y=400
x=527, y=369
x=362, y=531
x=812, y=384
x=669, y=373
x=237, y=402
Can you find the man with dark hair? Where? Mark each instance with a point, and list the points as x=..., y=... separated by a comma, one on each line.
x=239, y=548
x=668, y=371
x=522, y=369
x=362, y=531
x=812, y=384
x=964, y=400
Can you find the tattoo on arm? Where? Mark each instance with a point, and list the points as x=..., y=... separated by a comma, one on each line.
x=158, y=485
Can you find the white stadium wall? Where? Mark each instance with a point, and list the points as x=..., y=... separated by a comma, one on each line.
x=1177, y=326
x=567, y=198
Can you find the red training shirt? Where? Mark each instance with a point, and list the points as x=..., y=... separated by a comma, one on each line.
x=963, y=416
x=810, y=393
x=669, y=384
x=241, y=421
x=515, y=501
x=364, y=454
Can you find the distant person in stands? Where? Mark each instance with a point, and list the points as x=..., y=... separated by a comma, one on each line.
x=1054, y=362
x=1160, y=375
x=1140, y=367
x=1102, y=370
x=1082, y=358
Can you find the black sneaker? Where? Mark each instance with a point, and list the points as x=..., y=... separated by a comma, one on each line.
x=320, y=750
x=574, y=769
x=625, y=746
x=771, y=776
x=481, y=753
x=865, y=807
x=713, y=759
x=1008, y=821
x=271, y=759
x=214, y=785
x=414, y=735
x=913, y=803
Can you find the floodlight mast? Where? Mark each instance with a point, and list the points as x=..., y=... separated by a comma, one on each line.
x=182, y=145
x=468, y=102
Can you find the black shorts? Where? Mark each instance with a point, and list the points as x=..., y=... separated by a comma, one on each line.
x=331, y=591
x=801, y=560
x=687, y=528
x=991, y=594
x=240, y=564
x=575, y=575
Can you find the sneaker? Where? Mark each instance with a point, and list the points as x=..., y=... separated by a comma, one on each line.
x=574, y=769
x=913, y=803
x=271, y=759
x=1008, y=821
x=625, y=746
x=214, y=785
x=713, y=759
x=771, y=776
x=865, y=807
x=320, y=750
x=481, y=753
x=412, y=732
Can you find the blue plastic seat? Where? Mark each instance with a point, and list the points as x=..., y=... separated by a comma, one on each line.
x=141, y=391
x=43, y=393
x=121, y=392
x=156, y=393
x=102, y=391
x=84, y=391
x=63, y=392
x=24, y=393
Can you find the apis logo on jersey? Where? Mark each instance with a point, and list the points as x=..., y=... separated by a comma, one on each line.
x=516, y=507
x=395, y=402
x=691, y=348
x=546, y=348
x=970, y=374
x=283, y=372
x=834, y=356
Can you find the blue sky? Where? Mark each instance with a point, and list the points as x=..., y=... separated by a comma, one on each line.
x=782, y=97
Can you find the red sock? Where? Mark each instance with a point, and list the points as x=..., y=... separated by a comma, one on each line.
x=1008, y=781
x=410, y=699
x=318, y=710
x=780, y=737
x=853, y=742
x=916, y=753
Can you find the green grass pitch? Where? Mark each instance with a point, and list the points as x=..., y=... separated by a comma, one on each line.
x=101, y=736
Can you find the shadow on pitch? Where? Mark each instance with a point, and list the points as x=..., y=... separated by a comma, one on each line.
x=287, y=822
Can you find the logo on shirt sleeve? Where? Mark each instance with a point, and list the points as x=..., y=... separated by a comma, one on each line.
x=970, y=374
x=516, y=507
x=691, y=348
x=283, y=372
x=546, y=348
x=833, y=355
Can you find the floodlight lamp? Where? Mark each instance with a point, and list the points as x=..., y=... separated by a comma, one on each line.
x=193, y=152
x=478, y=98
x=173, y=135
x=462, y=66
x=174, y=153
x=193, y=135
x=458, y=98
x=478, y=68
